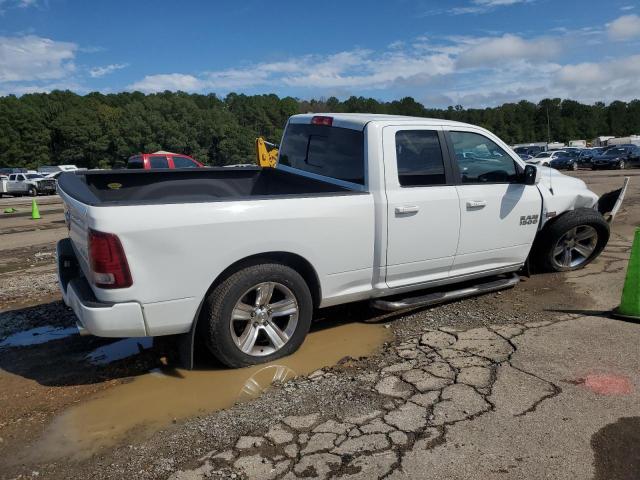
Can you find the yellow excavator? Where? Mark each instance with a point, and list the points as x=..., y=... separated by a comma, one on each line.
x=266, y=153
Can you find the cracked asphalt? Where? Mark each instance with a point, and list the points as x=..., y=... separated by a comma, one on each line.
x=477, y=403
x=534, y=382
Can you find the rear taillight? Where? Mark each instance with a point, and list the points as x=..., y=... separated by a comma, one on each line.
x=108, y=261
x=322, y=120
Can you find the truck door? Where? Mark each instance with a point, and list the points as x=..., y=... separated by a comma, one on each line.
x=16, y=183
x=423, y=213
x=499, y=214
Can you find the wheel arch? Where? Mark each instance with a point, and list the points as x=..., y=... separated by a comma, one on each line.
x=542, y=234
x=292, y=260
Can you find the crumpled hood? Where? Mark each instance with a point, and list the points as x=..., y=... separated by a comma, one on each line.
x=568, y=192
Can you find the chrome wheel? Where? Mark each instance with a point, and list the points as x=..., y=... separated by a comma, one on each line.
x=575, y=247
x=264, y=319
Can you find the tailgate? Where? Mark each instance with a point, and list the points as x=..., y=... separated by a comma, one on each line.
x=75, y=215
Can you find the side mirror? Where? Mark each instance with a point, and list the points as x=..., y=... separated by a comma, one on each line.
x=530, y=174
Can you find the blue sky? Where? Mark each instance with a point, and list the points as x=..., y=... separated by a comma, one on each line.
x=468, y=52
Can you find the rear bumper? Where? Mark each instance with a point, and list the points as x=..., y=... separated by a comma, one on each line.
x=94, y=317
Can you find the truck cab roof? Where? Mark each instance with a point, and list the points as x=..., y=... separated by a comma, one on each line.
x=357, y=121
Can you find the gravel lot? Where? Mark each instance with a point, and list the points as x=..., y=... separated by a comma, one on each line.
x=522, y=383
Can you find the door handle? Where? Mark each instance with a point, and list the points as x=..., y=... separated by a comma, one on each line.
x=407, y=209
x=476, y=203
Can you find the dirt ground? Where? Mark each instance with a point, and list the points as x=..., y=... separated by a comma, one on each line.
x=369, y=395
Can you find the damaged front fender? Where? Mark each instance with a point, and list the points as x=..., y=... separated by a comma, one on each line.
x=609, y=203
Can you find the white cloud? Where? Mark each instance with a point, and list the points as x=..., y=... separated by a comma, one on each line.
x=9, y=4
x=624, y=28
x=106, y=70
x=496, y=51
x=349, y=69
x=168, y=81
x=31, y=58
x=626, y=8
x=622, y=73
x=484, y=6
x=472, y=71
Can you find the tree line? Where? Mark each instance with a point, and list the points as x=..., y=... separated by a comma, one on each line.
x=100, y=131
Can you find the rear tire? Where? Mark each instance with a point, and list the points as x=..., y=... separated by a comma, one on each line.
x=258, y=314
x=571, y=242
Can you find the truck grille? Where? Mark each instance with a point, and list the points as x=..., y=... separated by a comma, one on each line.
x=47, y=184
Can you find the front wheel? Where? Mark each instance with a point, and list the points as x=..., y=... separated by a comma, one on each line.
x=572, y=241
x=32, y=192
x=574, y=166
x=258, y=314
x=621, y=165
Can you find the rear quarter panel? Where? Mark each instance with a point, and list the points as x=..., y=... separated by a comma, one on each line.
x=175, y=252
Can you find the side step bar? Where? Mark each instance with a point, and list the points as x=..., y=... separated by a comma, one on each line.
x=446, y=296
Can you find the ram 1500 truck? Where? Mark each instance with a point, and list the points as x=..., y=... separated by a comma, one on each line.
x=393, y=210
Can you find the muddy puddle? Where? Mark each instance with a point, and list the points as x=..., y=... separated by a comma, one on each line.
x=156, y=399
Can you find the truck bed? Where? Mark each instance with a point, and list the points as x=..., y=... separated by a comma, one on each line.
x=141, y=187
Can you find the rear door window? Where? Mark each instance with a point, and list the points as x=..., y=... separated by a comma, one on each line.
x=419, y=158
x=183, y=162
x=329, y=151
x=158, y=161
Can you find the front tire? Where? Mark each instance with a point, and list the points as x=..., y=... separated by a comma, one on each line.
x=621, y=165
x=32, y=192
x=572, y=241
x=258, y=314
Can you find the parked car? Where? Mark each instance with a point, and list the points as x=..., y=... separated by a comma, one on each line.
x=544, y=158
x=30, y=184
x=617, y=157
x=564, y=161
x=532, y=150
x=350, y=213
x=149, y=161
x=525, y=157
x=587, y=154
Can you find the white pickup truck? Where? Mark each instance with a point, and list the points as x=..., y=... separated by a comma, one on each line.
x=393, y=210
x=31, y=184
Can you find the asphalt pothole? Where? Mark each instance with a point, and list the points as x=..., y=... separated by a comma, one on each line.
x=155, y=400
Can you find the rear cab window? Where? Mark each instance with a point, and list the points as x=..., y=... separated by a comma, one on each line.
x=158, y=161
x=135, y=162
x=329, y=151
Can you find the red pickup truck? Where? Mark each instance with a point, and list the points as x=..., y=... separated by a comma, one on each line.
x=161, y=159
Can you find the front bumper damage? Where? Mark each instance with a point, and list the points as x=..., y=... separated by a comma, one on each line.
x=609, y=204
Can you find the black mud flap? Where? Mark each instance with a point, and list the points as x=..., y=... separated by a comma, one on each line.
x=610, y=202
x=186, y=344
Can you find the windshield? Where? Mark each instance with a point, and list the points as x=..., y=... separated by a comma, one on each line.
x=329, y=151
x=543, y=154
x=32, y=176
